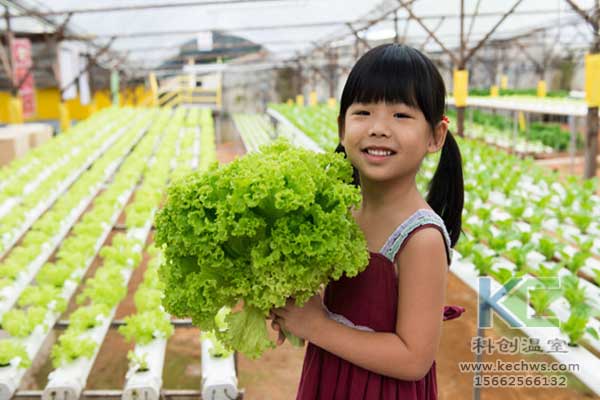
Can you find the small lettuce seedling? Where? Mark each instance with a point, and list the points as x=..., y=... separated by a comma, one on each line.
x=548, y=247
x=138, y=362
x=576, y=326
x=573, y=291
x=11, y=349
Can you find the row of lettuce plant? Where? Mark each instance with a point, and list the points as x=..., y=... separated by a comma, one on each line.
x=150, y=327
x=568, y=210
x=76, y=350
x=54, y=160
x=140, y=327
x=526, y=93
x=497, y=232
x=254, y=129
x=38, y=244
x=538, y=137
x=494, y=254
x=151, y=323
x=41, y=303
x=15, y=175
x=504, y=138
x=317, y=122
x=258, y=129
x=31, y=206
x=134, y=327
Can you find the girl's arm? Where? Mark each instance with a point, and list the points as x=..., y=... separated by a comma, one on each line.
x=406, y=354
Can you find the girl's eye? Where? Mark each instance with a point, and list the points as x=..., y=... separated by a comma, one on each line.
x=401, y=115
x=360, y=112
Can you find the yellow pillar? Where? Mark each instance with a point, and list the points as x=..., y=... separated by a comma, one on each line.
x=65, y=120
x=15, y=114
x=331, y=102
x=503, y=82
x=290, y=102
x=300, y=100
x=312, y=100
x=522, y=123
x=153, y=88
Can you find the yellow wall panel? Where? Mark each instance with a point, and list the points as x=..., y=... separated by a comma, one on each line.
x=77, y=110
x=47, y=101
x=102, y=99
x=4, y=106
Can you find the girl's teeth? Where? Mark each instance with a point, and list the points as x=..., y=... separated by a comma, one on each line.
x=379, y=152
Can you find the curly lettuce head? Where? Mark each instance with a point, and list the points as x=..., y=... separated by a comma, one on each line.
x=268, y=226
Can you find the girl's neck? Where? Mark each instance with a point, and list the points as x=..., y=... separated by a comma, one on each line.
x=393, y=199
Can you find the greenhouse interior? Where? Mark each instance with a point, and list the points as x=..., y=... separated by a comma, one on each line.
x=173, y=198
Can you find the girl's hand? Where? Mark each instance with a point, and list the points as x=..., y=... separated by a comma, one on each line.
x=299, y=321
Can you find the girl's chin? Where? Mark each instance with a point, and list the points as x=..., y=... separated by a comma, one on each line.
x=378, y=177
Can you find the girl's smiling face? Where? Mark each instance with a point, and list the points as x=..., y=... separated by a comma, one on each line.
x=385, y=141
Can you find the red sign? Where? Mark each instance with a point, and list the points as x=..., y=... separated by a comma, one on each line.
x=22, y=72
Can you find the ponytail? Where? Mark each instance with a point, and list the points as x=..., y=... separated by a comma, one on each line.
x=446, y=189
x=355, y=175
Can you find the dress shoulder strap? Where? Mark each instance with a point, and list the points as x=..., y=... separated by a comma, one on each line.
x=420, y=219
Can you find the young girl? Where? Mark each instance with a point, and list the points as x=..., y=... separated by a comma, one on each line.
x=375, y=336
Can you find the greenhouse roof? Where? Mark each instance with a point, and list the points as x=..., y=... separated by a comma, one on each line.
x=147, y=34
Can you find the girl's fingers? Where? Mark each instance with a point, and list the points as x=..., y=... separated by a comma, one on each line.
x=279, y=312
x=280, y=338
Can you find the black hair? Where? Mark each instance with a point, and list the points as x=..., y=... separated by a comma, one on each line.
x=396, y=73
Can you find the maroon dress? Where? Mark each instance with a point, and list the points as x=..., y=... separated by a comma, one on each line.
x=369, y=302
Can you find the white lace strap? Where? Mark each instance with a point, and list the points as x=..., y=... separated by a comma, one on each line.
x=419, y=218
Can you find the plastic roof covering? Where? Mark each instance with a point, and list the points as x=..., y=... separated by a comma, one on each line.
x=286, y=43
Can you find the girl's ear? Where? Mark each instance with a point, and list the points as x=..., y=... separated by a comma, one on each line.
x=436, y=141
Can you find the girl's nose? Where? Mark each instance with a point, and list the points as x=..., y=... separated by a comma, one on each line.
x=379, y=129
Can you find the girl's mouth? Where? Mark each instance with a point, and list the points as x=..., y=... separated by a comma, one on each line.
x=377, y=153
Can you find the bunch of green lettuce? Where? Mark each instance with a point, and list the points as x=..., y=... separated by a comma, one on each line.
x=269, y=226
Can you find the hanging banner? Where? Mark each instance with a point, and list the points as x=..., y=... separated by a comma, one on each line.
x=461, y=87
x=541, y=88
x=84, y=84
x=494, y=91
x=68, y=64
x=23, y=75
x=592, y=80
